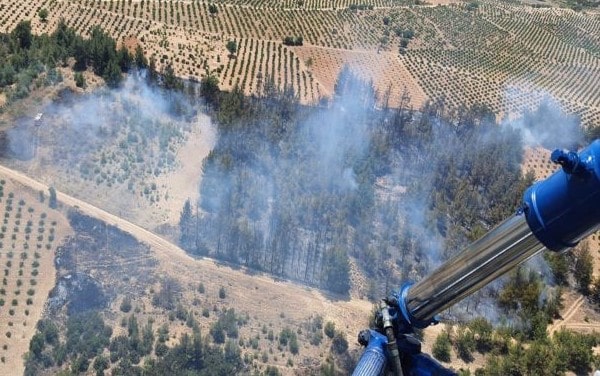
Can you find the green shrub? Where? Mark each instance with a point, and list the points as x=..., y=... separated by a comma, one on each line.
x=465, y=344
x=330, y=329
x=442, y=346
x=125, y=305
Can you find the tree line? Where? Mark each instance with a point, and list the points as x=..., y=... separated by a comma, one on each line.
x=86, y=345
x=276, y=198
x=30, y=61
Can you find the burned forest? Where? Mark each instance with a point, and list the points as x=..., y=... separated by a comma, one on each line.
x=302, y=192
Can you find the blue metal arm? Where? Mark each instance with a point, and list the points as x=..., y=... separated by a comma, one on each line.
x=556, y=214
x=373, y=360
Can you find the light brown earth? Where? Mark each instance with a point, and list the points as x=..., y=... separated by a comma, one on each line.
x=184, y=40
x=567, y=316
x=511, y=53
x=441, y=2
x=178, y=183
x=183, y=183
x=258, y=295
x=382, y=68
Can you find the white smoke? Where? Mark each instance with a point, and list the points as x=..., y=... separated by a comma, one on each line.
x=544, y=122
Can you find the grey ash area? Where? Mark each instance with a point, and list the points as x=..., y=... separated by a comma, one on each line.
x=97, y=264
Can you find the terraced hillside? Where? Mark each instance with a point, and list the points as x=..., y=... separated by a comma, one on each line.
x=506, y=55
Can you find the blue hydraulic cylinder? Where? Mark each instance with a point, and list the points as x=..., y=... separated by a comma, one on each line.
x=373, y=360
x=556, y=214
x=564, y=208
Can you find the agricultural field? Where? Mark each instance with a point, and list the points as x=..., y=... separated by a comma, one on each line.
x=30, y=233
x=138, y=153
x=506, y=55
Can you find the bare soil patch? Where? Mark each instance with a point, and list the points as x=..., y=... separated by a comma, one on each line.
x=183, y=183
x=538, y=160
x=442, y=2
x=185, y=35
x=131, y=43
x=579, y=315
x=266, y=301
x=167, y=175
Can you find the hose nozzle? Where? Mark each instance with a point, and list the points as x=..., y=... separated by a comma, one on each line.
x=569, y=160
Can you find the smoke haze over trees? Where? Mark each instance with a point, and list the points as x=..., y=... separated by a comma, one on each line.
x=300, y=192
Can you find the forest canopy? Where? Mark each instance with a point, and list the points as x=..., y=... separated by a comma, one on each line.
x=301, y=192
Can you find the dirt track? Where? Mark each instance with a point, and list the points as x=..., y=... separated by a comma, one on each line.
x=166, y=251
x=567, y=316
x=161, y=246
x=256, y=293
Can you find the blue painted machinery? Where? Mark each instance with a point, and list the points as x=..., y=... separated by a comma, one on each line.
x=556, y=214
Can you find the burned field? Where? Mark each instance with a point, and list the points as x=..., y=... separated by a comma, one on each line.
x=97, y=264
x=117, y=296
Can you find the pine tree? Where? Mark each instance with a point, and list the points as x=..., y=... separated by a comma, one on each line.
x=336, y=276
x=22, y=34
x=112, y=74
x=52, y=202
x=186, y=227
x=140, y=60
x=583, y=269
x=124, y=58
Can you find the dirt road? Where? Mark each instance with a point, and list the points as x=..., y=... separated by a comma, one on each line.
x=567, y=316
x=169, y=252
x=177, y=262
x=165, y=251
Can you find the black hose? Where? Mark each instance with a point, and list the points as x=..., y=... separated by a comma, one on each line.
x=393, y=353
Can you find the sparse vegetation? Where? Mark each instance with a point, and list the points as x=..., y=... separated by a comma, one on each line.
x=330, y=329
x=80, y=80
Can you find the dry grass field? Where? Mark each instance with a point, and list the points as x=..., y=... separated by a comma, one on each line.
x=507, y=55
x=137, y=272
x=146, y=182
